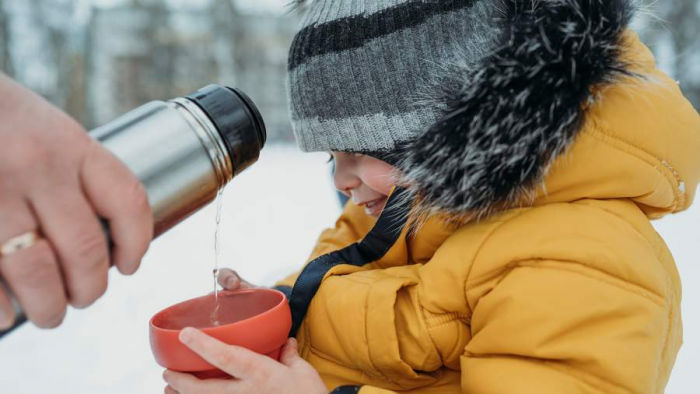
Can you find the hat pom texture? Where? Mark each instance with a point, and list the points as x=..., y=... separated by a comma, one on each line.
x=519, y=108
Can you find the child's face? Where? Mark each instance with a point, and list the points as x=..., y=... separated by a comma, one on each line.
x=366, y=180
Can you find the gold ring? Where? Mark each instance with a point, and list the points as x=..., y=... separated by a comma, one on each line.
x=20, y=242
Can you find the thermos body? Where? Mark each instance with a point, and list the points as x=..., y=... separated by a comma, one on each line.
x=174, y=150
x=183, y=151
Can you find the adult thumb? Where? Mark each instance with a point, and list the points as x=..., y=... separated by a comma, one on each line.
x=290, y=352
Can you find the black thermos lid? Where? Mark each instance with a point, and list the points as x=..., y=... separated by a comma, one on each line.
x=238, y=120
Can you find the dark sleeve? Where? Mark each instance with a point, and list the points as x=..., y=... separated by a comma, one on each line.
x=346, y=390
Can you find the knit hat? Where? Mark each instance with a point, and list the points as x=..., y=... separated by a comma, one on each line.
x=473, y=99
x=361, y=71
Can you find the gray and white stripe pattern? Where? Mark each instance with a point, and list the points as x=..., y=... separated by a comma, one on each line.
x=364, y=74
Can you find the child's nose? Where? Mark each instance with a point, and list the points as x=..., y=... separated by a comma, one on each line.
x=345, y=181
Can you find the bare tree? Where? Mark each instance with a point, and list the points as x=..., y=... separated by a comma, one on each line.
x=684, y=16
x=131, y=58
x=49, y=17
x=158, y=73
x=5, y=41
x=673, y=30
x=223, y=12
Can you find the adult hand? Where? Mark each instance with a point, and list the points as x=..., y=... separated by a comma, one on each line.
x=254, y=373
x=57, y=181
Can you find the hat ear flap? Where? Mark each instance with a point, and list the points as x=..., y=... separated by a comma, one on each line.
x=519, y=109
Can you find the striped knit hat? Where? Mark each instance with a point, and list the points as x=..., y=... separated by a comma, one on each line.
x=472, y=100
x=362, y=73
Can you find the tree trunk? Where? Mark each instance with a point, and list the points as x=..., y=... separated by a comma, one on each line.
x=223, y=13
x=674, y=35
x=684, y=17
x=5, y=42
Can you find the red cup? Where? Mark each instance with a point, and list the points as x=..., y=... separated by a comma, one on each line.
x=257, y=319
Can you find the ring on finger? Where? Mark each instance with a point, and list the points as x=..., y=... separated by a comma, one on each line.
x=20, y=242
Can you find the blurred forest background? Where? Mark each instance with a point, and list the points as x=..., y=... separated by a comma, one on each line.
x=100, y=58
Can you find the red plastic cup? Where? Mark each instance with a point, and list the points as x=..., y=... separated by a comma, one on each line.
x=257, y=319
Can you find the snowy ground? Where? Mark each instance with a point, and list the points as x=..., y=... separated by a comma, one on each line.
x=271, y=217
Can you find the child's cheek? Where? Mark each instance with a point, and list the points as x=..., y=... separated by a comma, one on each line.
x=381, y=177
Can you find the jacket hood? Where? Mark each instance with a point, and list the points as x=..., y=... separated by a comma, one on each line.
x=640, y=141
x=568, y=106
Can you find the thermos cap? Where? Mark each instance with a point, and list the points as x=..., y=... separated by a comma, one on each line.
x=238, y=121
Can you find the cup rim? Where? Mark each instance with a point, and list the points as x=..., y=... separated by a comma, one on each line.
x=259, y=316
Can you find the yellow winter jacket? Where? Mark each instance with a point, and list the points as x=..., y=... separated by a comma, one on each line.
x=575, y=293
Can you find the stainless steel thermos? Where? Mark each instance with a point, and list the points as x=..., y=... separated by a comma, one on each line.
x=183, y=151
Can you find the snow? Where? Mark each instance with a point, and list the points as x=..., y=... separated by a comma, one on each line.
x=272, y=215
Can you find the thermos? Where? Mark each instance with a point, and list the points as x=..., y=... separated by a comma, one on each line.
x=183, y=151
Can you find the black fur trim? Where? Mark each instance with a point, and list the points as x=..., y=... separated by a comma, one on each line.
x=520, y=108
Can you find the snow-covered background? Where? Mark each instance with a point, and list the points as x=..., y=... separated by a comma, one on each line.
x=271, y=217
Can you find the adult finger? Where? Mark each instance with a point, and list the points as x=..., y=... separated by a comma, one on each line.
x=33, y=274
x=7, y=313
x=119, y=197
x=34, y=278
x=15, y=219
x=184, y=383
x=74, y=231
x=234, y=360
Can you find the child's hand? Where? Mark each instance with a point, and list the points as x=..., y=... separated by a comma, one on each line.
x=229, y=280
x=254, y=373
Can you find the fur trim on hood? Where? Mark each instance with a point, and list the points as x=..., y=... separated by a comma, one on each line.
x=519, y=109
x=508, y=117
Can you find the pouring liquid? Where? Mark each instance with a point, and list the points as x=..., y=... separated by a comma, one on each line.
x=214, y=318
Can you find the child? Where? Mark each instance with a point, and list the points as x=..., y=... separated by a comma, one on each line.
x=530, y=143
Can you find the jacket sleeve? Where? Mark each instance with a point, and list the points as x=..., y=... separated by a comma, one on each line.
x=350, y=227
x=559, y=327
x=563, y=327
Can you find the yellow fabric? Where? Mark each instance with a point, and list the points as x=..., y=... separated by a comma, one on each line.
x=576, y=294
